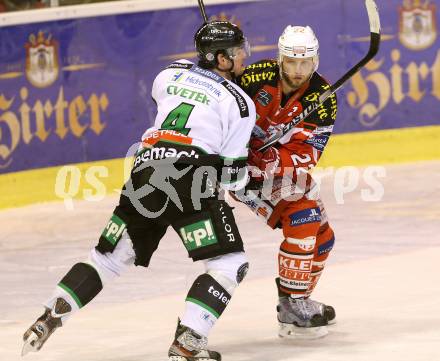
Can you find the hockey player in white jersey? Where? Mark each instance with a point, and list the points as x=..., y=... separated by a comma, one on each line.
x=198, y=142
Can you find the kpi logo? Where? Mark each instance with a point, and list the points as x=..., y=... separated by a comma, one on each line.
x=113, y=230
x=198, y=235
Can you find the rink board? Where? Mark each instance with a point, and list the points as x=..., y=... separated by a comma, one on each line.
x=95, y=102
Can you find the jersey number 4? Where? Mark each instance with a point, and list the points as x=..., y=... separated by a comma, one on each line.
x=178, y=117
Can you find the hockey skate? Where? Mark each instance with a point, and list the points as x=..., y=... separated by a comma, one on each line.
x=300, y=319
x=190, y=346
x=35, y=337
x=325, y=310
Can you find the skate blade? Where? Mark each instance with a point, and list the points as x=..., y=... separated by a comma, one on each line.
x=30, y=345
x=332, y=322
x=289, y=331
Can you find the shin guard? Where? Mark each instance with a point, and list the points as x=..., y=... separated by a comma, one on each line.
x=206, y=301
x=324, y=244
x=295, y=265
x=82, y=283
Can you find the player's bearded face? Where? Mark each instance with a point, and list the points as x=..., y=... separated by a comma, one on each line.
x=295, y=72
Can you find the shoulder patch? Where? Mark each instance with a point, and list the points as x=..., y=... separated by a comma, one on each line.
x=177, y=65
x=207, y=74
x=264, y=97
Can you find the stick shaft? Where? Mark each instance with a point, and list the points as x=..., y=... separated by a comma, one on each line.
x=203, y=11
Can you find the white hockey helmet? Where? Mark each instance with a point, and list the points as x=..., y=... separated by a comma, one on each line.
x=298, y=42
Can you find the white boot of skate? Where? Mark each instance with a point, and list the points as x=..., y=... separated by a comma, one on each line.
x=300, y=319
x=190, y=346
x=35, y=337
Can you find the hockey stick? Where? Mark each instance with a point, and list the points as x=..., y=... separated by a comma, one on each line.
x=374, y=20
x=202, y=11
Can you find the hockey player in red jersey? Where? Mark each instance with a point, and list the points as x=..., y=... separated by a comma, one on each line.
x=281, y=90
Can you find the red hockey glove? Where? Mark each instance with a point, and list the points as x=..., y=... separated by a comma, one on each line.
x=267, y=161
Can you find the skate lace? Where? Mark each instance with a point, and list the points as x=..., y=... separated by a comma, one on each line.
x=316, y=304
x=195, y=342
x=306, y=308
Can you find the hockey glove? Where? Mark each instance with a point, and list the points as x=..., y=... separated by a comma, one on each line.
x=267, y=162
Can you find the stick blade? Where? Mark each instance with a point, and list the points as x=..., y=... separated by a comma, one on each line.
x=373, y=16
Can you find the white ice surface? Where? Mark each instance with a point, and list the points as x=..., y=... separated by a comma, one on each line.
x=382, y=278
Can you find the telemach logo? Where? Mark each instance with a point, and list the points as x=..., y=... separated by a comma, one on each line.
x=162, y=153
x=241, y=102
x=220, y=295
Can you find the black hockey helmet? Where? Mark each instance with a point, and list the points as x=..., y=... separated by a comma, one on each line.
x=217, y=37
